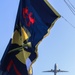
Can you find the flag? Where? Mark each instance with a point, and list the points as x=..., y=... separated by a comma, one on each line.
x=34, y=20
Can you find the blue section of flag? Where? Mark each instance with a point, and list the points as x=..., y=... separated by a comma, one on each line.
x=43, y=15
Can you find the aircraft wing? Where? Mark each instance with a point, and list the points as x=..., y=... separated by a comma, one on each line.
x=62, y=71
x=49, y=71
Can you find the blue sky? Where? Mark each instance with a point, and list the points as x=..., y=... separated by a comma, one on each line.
x=58, y=47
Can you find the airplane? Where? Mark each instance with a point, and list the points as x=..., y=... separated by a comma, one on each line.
x=55, y=70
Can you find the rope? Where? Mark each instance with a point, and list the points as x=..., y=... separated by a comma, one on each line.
x=20, y=48
x=68, y=22
x=70, y=6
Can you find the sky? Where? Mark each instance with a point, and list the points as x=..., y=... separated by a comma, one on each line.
x=58, y=47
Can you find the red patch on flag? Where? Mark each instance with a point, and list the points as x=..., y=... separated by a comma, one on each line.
x=28, y=16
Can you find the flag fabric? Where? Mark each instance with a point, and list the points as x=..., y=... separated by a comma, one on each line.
x=34, y=20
